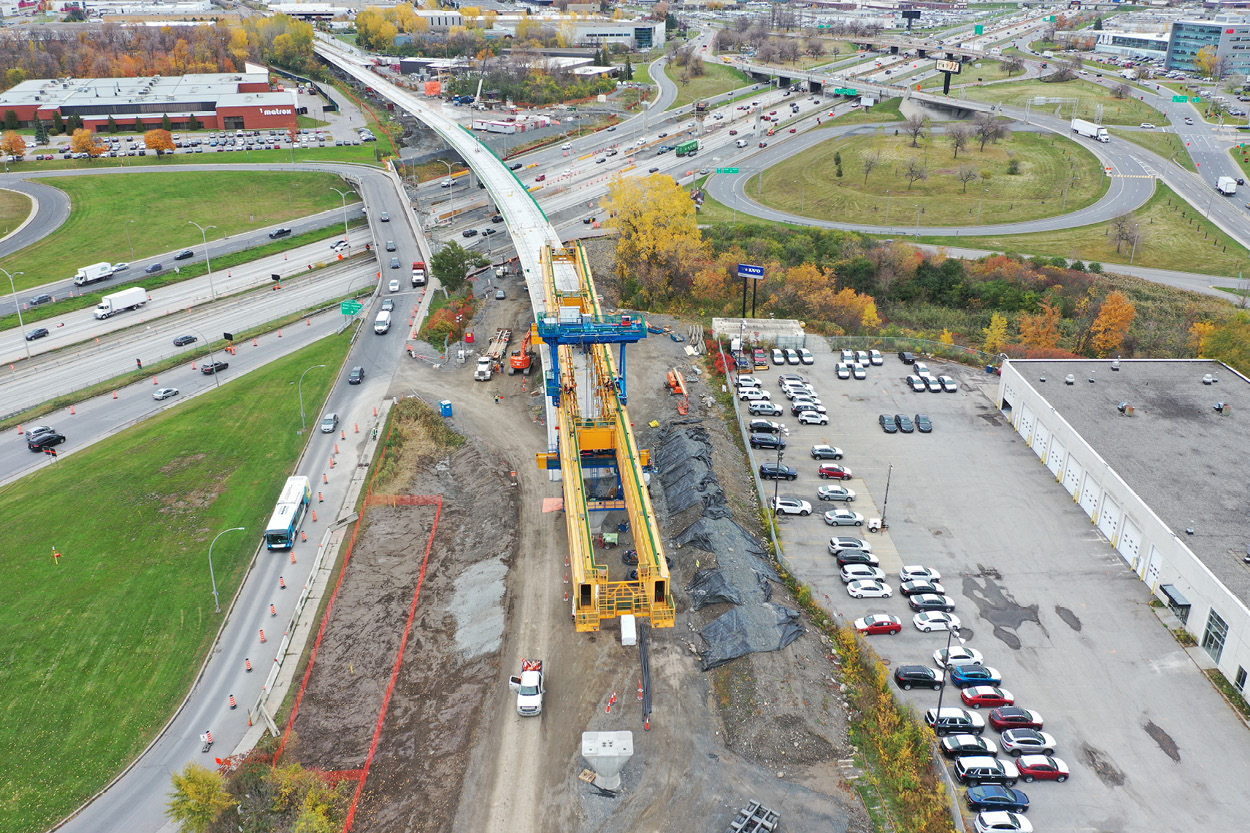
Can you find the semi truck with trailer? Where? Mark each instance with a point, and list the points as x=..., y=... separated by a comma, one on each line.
x=1090, y=130
x=132, y=298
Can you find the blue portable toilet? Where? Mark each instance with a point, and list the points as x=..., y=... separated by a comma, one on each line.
x=444, y=407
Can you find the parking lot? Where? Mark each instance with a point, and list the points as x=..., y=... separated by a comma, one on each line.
x=1039, y=593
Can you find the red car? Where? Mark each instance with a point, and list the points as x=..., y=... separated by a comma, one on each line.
x=1014, y=717
x=986, y=695
x=734, y=132
x=829, y=470
x=1041, y=768
x=794, y=130
x=878, y=623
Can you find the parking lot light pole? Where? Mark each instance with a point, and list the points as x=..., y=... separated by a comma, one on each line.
x=777, y=480
x=950, y=632
x=211, y=576
x=18, y=307
x=204, y=234
x=302, y=424
x=128, y=243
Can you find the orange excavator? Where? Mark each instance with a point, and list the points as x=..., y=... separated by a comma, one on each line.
x=522, y=361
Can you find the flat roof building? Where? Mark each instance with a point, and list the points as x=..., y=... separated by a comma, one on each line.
x=1228, y=35
x=1152, y=451
x=1132, y=44
x=217, y=100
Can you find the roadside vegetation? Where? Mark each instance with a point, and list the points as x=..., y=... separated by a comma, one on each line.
x=102, y=643
x=1126, y=110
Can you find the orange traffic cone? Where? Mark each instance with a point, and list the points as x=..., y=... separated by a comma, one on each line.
x=72, y=411
x=343, y=434
x=281, y=583
x=324, y=479
x=293, y=553
x=114, y=394
x=254, y=344
x=336, y=448
x=154, y=380
x=314, y=516
x=303, y=536
x=279, y=334
x=357, y=424
x=19, y=429
x=247, y=664
x=273, y=611
x=232, y=703
x=262, y=635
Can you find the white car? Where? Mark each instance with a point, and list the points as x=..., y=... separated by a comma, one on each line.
x=915, y=572
x=957, y=656
x=835, y=493
x=861, y=357
x=868, y=590
x=779, y=356
x=165, y=393
x=798, y=390
x=948, y=384
x=640, y=142
x=393, y=286
x=1147, y=126
x=921, y=369
x=805, y=397
x=566, y=146
x=792, y=506
x=813, y=418
x=753, y=395
x=447, y=183
x=748, y=382
x=1001, y=821
x=934, y=620
x=862, y=572
x=846, y=542
x=917, y=384
x=848, y=355
x=792, y=356
x=843, y=517
x=121, y=267
x=875, y=357
x=805, y=356
x=932, y=383
x=859, y=372
x=843, y=370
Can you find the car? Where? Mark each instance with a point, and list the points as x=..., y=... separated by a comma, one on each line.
x=868, y=590
x=805, y=356
x=785, y=379
x=516, y=166
x=763, y=144
x=1014, y=717
x=917, y=383
x=912, y=588
x=764, y=408
x=779, y=356
x=45, y=440
x=826, y=452
x=906, y=357
x=988, y=695
x=982, y=769
x=887, y=423
x=165, y=393
x=799, y=394
x=908, y=677
x=792, y=506
x=496, y=218
x=834, y=471
x=37, y=332
x=932, y=384
x=950, y=657
x=930, y=601
x=955, y=721
x=753, y=394
x=844, y=557
x=487, y=232
x=390, y=245
x=356, y=376
x=388, y=304
x=847, y=542
x=184, y=254
x=39, y=429
x=923, y=424
x=848, y=355
x=384, y=217
x=279, y=232
x=1188, y=120
x=843, y=517
x=339, y=246
x=812, y=418
x=875, y=358
x=766, y=426
x=877, y=623
x=748, y=382
x=566, y=146
x=792, y=356
x=1147, y=126
x=772, y=471
x=835, y=493
x=612, y=128
x=1001, y=821
x=329, y=422
x=859, y=372
x=861, y=572
x=153, y=269
x=471, y=232
x=733, y=132
x=393, y=286
x=1017, y=742
x=40, y=299
x=958, y=746
x=975, y=674
x=995, y=797
x=904, y=423
x=1041, y=768
x=767, y=441
x=182, y=341
x=447, y=183
x=842, y=370
x=208, y=369
x=949, y=384
x=500, y=295
x=915, y=572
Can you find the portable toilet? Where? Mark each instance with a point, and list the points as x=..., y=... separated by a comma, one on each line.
x=444, y=407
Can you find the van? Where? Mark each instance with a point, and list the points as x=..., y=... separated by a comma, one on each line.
x=382, y=324
x=741, y=143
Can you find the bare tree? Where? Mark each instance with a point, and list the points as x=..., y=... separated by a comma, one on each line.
x=788, y=49
x=1126, y=230
x=915, y=126
x=958, y=134
x=989, y=128
x=1012, y=65
x=1121, y=91
x=1065, y=71
x=767, y=52
x=869, y=161
x=915, y=170
x=814, y=47
x=966, y=174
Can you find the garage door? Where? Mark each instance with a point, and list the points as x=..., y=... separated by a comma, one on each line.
x=1041, y=436
x=1109, y=518
x=1130, y=542
x=1152, y=569
x=1054, y=460
x=1090, y=492
x=1072, y=476
x=1026, y=423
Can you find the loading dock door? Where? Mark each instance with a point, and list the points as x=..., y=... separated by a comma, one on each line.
x=1072, y=476
x=1109, y=518
x=1026, y=423
x=1130, y=542
x=1055, y=457
x=1090, y=492
x=1041, y=436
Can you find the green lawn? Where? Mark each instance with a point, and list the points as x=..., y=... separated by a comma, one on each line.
x=309, y=121
x=1176, y=238
x=1089, y=95
x=808, y=184
x=884, y=111
x=716, y=79
x=971, y=74
x=161, y=206
x=15, y=207
x=1161, y=142
x=99, y=650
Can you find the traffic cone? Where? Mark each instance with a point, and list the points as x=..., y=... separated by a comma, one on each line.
x=293, y=552
x=343, y=434
x=279, y=334
x=273, y=611
x=281, y=583
x=321, y=498
x=254, y=344
x=114, y=394
x=262, y=635
x=208, y=738
x=192, y=366
x=357, y=424
x=314, y=516
x=303, y=536
x=247, y=665
x=232, y=703
x=640, y=689
x=331, y=462
x=336, y=448
x=154, y=380
x=375, y=410
x=324, y=479
x=19, y=430
x=72, y=411
x=308, y=321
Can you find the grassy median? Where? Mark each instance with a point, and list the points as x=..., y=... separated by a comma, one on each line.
x=15, y=207
x=98, y=649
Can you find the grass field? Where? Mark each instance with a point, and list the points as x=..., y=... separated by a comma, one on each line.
x=362, y=155
x=14, y=209
x=1089, y=95
x=1163, y=143
x=885, y=111
x=808, y=185
x=716, y=80
x=971, y=75
x=1175, y=239
x=99, y=649
x=161, y=207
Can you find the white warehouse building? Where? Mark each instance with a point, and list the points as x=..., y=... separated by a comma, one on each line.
x=1154, y=452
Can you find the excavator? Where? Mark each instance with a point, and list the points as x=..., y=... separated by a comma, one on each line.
x=522, y=361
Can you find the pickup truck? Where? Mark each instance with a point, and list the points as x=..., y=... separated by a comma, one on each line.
x=529, y=687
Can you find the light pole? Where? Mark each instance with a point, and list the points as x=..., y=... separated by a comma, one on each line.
x=343, y=194
x=1136, y=237
x=302, y=424
x=887, y=208
x=981, y=202
x=917, y=222
x=211, y=360
x=207, y=259
x=950, y=632
x=211, y=576
x=777, y=480
x=18, y=307
x=128, y=243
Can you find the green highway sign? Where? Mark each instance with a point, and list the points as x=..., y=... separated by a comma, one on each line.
x=845, y=91
x=1195, y=100
x=1179, y=99
x=980, y=30
x=351, y=307
x=726, y=170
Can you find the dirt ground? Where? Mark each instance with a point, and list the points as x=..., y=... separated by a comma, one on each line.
x=454, y=756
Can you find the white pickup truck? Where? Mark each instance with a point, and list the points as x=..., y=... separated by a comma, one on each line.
x=529, y=688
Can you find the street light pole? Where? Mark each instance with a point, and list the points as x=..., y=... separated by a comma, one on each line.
x=777, y=480
x=128, y=243
x=18, y=307
x=211, y=576
x=302, y=424
x=344, y=196
x=207, y=259
x=211, y=360
x=917, y=222
x=981, y=202
x=1136, y=236
x=950, y=632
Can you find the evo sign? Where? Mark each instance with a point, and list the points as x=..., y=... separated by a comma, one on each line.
x=747, y=270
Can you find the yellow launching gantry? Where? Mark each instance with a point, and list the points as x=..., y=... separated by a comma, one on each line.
x=595, y=433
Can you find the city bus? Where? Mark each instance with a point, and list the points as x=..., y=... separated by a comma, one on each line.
x=288, y=514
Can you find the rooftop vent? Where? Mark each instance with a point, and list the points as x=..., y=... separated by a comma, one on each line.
x=1223, y=408
x=1125, y=409
x=1115, y=365
x=1208, y=379
x=1041, y=379
x=1070, y=379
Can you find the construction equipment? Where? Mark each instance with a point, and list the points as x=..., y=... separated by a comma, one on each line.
x=677, y=387
x=498, y=347
x=522, y=361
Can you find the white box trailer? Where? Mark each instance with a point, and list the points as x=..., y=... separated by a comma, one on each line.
x=1090, y=130
x=94, y=272
x=1226, y=185
x=132, y=298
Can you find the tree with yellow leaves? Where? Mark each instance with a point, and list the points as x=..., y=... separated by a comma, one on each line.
x=653, y=217
x=85, y=141
x=947, y=337
x=13, y=144
x=1112, y=323
x=995, y=333
x=1199, y=333
x=1042, y=329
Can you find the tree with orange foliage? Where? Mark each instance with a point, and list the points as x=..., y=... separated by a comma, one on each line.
x=1199, y=333
x=1042, y=329
x=159, y=140
x=853, y=312
x=13, y=144
x=85, y=141
x=1112, y=323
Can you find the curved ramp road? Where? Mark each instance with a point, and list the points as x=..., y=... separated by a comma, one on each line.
x=49, y=210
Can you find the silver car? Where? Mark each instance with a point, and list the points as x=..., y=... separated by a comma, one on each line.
x=835, y=493
x=862, y=572
x=843, y=517
x=329, y=422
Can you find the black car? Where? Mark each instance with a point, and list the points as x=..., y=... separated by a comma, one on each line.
x=38, y=332
x=515, y=166
x=915, y=588
x=923, y=425
x=845, y=557
x=215, y=367
x=904, y=423
x=957, y=746
x=767, y=441
x=153, y=269
x=184, y=254
x=908, y=677
x=906, y=358
x=40, y=299
x=182, y=341
x=46, y=440
x=356, y=376
x=469, y=233
x=930, y=601
x=280, y=232
x=771, y=471
x=888, y=425
x=995, y=797
x=487, y=232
